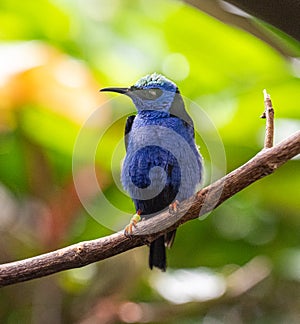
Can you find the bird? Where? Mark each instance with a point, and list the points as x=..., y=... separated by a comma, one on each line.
x=163, y=165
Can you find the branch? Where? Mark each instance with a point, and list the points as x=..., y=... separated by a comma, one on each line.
x=204, y=201
x=269, y=115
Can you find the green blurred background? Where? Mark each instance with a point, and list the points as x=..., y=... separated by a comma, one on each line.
x=240, y=264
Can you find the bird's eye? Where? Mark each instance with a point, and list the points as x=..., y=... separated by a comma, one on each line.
x=150, y=94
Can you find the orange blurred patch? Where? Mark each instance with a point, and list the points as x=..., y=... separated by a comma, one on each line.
x=44, y=76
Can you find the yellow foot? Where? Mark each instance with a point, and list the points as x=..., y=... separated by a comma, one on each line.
x=134, y=220
x=173, y=208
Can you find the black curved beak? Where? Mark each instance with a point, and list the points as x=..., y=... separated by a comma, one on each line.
x=118, y=90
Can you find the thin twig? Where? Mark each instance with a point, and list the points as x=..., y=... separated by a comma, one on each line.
x=269, y=115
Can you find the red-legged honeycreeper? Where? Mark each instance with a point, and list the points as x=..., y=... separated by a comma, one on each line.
x=162, y=163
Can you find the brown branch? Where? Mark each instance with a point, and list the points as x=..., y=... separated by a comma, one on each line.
x=269, y=115
x=81, y=254
x=204, y=201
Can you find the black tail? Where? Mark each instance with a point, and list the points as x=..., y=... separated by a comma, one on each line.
x=157, y=256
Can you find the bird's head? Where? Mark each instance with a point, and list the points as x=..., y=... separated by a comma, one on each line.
x=152, y=92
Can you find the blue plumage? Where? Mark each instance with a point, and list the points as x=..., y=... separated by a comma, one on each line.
x=162, y=162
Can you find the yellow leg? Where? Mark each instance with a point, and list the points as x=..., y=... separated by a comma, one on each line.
x=134, y=220
x=173, y=208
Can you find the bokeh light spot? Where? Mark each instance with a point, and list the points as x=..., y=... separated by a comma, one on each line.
x=176, y=67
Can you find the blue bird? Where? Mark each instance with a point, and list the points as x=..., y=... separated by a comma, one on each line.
x=163, y=165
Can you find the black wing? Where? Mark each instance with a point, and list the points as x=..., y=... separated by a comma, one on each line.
x=128, y=126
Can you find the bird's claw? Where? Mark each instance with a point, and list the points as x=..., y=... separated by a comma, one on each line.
x=133, y=222
x=173, y=208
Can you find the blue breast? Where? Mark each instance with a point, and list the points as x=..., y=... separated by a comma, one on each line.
x=162, y=161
